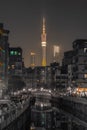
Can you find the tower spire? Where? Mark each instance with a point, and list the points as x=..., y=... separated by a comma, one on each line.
x=43, y=43
x=44, y=25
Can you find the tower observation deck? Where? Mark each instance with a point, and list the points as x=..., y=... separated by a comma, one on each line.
x=43, y=43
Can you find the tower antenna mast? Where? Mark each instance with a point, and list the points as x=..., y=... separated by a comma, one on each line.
x=43, y=43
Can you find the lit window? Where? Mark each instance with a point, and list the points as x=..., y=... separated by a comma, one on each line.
x=8, y=67
x=85, y=76
x=85, y=49
x=13, y=66
x=42, y=71
x=19, y=53
x=11, y=52
x=15, y=52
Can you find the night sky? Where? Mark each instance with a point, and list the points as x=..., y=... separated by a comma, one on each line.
x=66, y=21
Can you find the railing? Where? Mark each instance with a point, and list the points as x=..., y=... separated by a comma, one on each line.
x=76, y=108
x=8, y=116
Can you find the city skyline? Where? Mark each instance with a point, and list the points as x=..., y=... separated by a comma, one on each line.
x=65, y=22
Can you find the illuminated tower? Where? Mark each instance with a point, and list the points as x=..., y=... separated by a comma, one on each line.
x=43, y=43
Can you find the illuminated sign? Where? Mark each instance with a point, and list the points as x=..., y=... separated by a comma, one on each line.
x=16, y=53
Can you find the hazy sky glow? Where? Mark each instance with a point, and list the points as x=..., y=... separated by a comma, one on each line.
x=66, y=20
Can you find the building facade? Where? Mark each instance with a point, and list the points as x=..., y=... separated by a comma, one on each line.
x=67, y=63
x=32, y=58
x=75, y=62
x=4, y=45
x=15, y=61
x=80, y=62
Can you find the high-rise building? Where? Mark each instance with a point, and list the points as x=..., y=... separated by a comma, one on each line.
x=4, y=45
x=67, y=66
x=32, y=59
x=15, y=61
x=43, y=43
x=56, y=50
x=80, y=62
x=75, y=64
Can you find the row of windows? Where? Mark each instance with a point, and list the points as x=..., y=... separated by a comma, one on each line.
x=16, y=53
x=14, y=67
x=83, y=75
x=80, y=68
